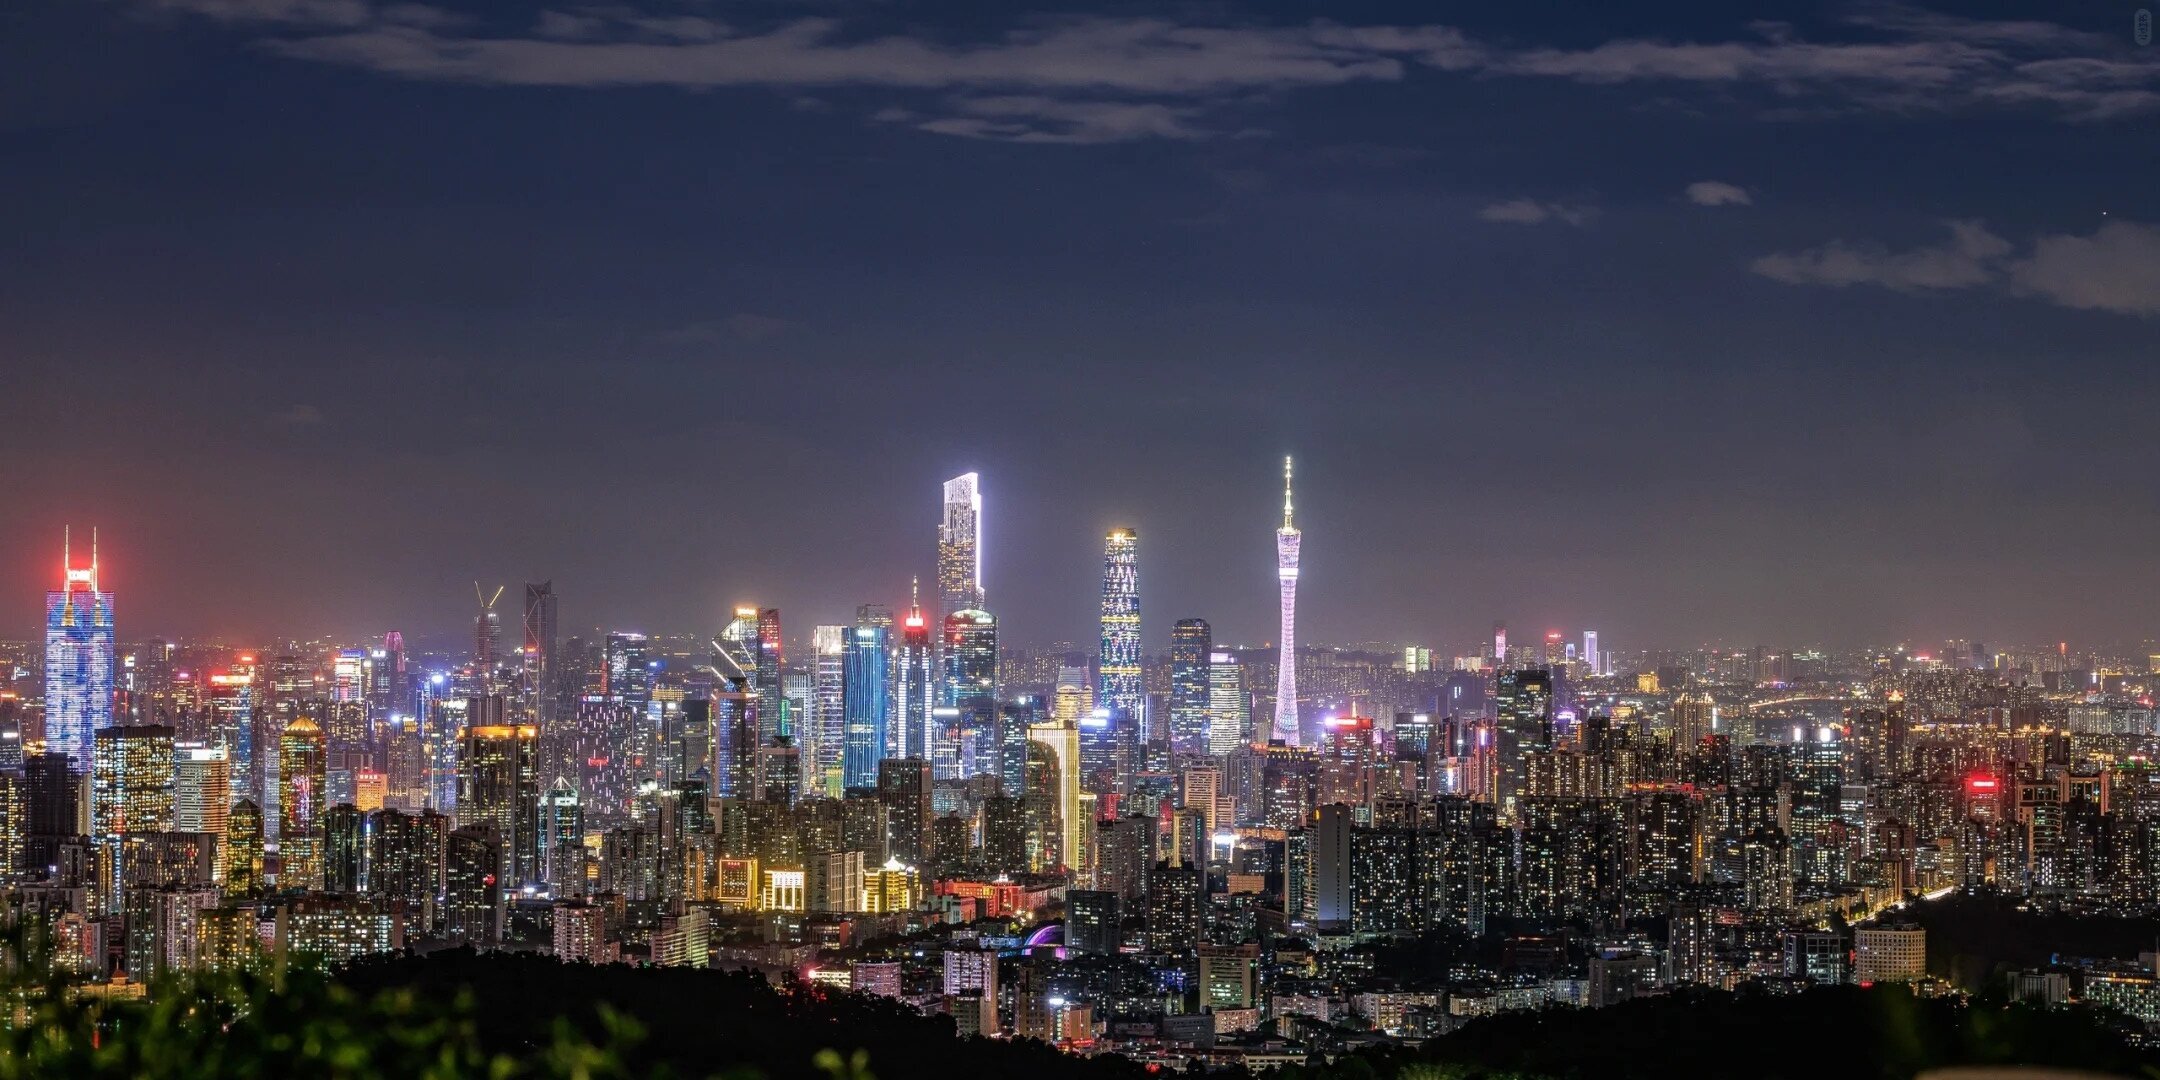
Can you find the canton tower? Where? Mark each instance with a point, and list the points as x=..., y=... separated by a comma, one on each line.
x=1286, y=551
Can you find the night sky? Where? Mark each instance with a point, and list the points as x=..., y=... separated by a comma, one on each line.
x=1836, y=329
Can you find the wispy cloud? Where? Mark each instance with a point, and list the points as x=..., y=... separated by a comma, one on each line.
x=2116, y=269
x=1533, y=212
x=1968, y=258
x=1107, y=79
x=1717, y=193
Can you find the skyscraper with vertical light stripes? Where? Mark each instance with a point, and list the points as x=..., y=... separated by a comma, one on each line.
x=79, y=654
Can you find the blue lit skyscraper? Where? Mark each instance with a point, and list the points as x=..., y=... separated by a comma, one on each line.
x=79, y=654
x=1191, y=645
x=866, y=681
x=1118, y=686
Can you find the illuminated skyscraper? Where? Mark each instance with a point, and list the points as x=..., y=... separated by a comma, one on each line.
x=914, y=684
x=202, y=791
x=301, y=780
x=828, y=707
x=1229, y=711
x=1191, y=646
x=487, y=631
x=1590, y=652
x=1286, y=571
x=540, y=643
x=499, y=786
x=627, y=675
x=971, y=697
x=1118, y=686
x=866, y=682
x=131, y=790
x=1063, y=739
x=960, y=584
x=79, y=656
x=773, y=719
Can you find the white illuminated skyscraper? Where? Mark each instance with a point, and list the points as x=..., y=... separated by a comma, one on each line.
x=1590, y=653
x=1118, y=685
x=959, y=570
x=1286, y=567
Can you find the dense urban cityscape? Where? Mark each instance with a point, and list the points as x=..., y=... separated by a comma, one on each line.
x=1079, y=540
x=1199, y=855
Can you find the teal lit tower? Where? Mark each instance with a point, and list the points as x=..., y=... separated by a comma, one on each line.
x=865, y=690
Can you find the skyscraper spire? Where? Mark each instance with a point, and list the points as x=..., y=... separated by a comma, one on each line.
x=1286, y=574
x=1286, y=494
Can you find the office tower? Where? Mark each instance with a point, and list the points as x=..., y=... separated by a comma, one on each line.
x=904, y=787
x=487, y=631
x=828, y=714
x=970, y=689
x=302, y=765
x=1191, y=649
x=626, y=673
x=773, y=719
x=1229, y=710
x=1328, y=845
x=499, y=786
x=1118, y=686
x=562, y=840
x=202, y=790
x=1093, y=923
x=1499, y=645
x=736, y=725
x=1009, y=742
x=232, y=703
x=1072, y=698
x=1286, y=573
x=344, y=848
x=344, y=723
x=1063, y=740
x=1202, y=794
x=242, y=858
x=970, y=657
x=866, y=686
x=1523, y=703
x=960, y=584
x=131, y=790
x=80, y=651
x=1590, y=653
x=540, y=615
x=914, y=684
